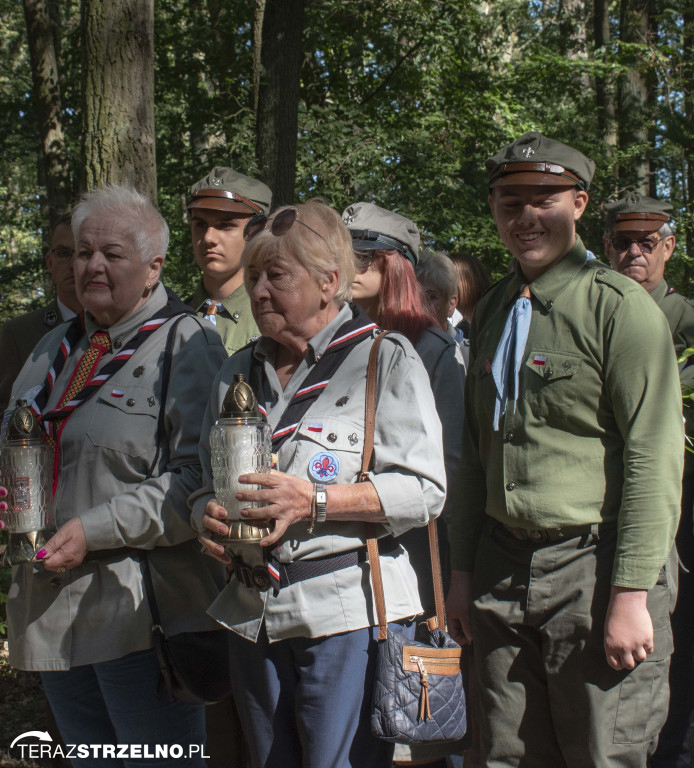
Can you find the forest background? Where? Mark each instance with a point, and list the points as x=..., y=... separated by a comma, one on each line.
x=398, y=102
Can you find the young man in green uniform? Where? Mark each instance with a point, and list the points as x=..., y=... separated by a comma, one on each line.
x=638, y=242
x=219, y=208
x=571, y=472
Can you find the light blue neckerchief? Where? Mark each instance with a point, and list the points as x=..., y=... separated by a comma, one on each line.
x=511, y=344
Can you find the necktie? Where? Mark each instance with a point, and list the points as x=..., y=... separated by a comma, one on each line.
x=99, y=344
x=510, y=349
x=213, y=308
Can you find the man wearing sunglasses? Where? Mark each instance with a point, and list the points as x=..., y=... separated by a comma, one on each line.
x=220, y=206
x=638, y=242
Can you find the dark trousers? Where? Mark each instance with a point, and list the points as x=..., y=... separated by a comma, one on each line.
x=674, y=733
x=116, y=702
x=305, y=702
x=547, y=696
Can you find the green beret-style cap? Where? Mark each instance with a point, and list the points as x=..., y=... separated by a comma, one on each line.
x=533, y=159
x=374, y=228
x=637, y=213
x=224, y=189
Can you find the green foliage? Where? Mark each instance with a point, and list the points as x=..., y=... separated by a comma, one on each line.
x=401, y=102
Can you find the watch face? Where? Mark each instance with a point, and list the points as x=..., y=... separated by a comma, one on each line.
x=322, y=497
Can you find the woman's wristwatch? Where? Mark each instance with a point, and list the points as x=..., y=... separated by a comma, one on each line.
x=319, y=503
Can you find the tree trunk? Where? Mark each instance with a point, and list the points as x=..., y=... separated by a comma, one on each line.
x=688, y=160
x=258, y=17
x=118, y=94
x=604, y=88
x=46, y=98
x=277, y=116
x=634, y=95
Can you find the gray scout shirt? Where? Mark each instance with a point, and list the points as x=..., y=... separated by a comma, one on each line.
x=408, y=475
x=97, y=611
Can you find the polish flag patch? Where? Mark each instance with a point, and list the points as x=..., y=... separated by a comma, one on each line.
x=117, y=393
x=539, y=359
x=315, y=426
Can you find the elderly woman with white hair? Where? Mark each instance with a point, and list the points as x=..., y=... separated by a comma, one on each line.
x=302, y=646
x=125, y=461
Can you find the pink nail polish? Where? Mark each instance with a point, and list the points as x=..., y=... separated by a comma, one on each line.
x=40, y=555
x=3, y=506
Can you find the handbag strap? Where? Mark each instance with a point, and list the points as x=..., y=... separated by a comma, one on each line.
x=372, y=542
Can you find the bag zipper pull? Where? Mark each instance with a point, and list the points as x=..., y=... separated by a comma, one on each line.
x=424, y=709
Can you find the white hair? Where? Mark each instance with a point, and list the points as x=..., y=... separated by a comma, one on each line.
x=665, y=230
x=138, y=217
x=437, y=269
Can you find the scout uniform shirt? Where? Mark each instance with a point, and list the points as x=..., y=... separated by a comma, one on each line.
x=408, y=474
x=97, y=611
x=235, y=321
x=573, y=453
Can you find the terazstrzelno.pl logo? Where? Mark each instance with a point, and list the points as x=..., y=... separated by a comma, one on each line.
x=34, y=745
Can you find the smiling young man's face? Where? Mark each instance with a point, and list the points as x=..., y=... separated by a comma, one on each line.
x=537, y=223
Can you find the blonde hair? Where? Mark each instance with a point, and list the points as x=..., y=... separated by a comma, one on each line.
x=319, y=257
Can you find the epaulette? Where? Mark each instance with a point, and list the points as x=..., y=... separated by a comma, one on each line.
x=616, y=281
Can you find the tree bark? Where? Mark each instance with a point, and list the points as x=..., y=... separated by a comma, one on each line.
x=604, y=88
x=634, y=94
x=118, y=94
x=277, y=116
x=46, y=98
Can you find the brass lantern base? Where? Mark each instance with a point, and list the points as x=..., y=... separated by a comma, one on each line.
x=23, y=547
x=241, y=532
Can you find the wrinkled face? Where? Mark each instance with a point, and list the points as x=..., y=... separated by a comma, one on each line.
x=640, y=255
x=285, y=298
x=217, y=241
x=537, y=223
x=59, y=262
x=110, y=277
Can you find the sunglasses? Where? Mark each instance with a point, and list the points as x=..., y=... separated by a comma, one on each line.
x=364, y=259
x=646, y=245
x=280, y=224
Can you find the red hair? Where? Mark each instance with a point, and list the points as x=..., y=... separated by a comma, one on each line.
x=401, y=304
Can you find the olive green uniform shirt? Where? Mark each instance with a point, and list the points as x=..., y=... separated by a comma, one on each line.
x=235, y=321
x=679, y=313
x=596, y=434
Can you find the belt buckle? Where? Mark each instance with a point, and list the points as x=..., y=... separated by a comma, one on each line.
x=260, y=578
x=537, y=536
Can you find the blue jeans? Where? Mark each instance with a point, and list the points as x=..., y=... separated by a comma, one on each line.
x=305, y=702
x=116, y=703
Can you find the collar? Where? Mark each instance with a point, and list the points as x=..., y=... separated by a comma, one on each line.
x=233, y=304
x=126, y=328
x=660, y=291
x=65, y=312
x=265, y=348
x=549, y=286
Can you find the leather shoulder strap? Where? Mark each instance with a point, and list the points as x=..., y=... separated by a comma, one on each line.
x=372, y=542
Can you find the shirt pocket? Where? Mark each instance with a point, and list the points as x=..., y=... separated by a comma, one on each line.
x=485, y=387
x=328, y=450
x=125, y=421
x=552, y=380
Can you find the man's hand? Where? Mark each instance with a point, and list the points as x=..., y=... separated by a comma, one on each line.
x=628, y=628
x=458, y=602
x=66, y=549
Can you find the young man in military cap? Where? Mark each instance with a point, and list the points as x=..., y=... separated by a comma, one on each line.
x=572, y=460
x=20, y=335
x=638, y=242
x=219, y=208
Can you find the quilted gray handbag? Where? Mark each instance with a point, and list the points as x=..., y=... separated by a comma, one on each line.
x=418, y=692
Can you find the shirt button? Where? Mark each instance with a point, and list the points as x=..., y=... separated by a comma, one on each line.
x=508, y=437
x=236, y=315
x=130, y=402
x=548, y=373
x=602, y=272
x=332, y=437
x=117, y=344
x=548, y=305
x=510, y=486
